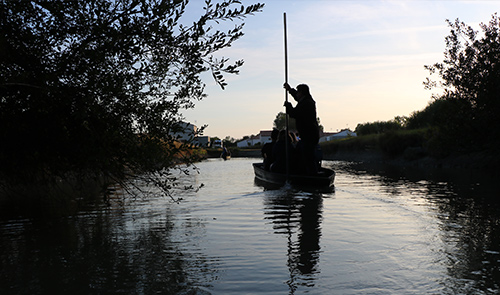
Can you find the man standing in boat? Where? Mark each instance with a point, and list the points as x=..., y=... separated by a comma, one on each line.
x=304, y=114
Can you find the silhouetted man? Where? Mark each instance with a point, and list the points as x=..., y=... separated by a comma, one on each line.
x=304, y=114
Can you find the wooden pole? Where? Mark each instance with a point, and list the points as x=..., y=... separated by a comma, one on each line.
x=286, y=101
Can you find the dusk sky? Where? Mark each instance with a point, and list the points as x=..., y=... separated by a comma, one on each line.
x=363, y=61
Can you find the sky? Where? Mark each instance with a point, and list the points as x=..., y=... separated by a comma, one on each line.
x=362, y=59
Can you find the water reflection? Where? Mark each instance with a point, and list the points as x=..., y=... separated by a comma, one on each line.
x=98, y=252
x=466, y=208
x=298, y=216
x=383, y=231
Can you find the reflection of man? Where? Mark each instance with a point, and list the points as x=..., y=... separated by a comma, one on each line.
x=309, y=235
x=304, y=114
x=303, y=217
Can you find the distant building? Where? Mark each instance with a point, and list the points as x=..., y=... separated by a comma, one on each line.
x=329, y=136
x=251, y=141
x=265, y=136
x=203, y=141
x=326, y=135
x=243, y=143
x=217, y=143
x=187, y=132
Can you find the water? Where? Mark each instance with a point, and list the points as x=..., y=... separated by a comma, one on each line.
x=382, y=231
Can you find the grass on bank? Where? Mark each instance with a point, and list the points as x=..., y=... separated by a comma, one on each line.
x=392, y=144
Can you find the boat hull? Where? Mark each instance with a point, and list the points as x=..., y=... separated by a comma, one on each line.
x=324, y=179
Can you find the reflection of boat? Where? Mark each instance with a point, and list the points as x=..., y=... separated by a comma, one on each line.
x=323, y=180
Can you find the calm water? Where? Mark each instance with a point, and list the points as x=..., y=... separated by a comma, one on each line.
x=382, y=231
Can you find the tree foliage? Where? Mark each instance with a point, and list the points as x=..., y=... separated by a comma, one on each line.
x=98, y=86
x=280, y=122
x=470, y=75
x=380, y=127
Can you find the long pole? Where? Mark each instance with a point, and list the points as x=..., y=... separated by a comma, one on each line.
x=286, y=101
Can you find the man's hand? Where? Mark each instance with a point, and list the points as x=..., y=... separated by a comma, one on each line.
x=287, y=86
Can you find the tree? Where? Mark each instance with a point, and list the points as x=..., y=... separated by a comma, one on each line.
x=280, y=122
x=379, y=127
x=470, y=73
x=229, y=141
x=96, y=87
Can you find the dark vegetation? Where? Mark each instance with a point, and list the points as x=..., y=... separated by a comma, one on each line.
x=464, y=119
x=280, y=122
x=94, y=89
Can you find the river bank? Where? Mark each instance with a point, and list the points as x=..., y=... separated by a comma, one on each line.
x=413, y=157
x=477, y=160
x=236, y=153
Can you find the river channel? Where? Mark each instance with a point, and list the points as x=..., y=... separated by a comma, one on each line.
x=383, y=230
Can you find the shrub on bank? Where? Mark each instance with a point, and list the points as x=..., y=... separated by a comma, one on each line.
x=359, y=143
x=393, y=143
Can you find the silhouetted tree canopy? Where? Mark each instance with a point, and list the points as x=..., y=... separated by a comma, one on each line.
x=378, y=127
x=98, y=86
x=280, y=122
x=470, y=77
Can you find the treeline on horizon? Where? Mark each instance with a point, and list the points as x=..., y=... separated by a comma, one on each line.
x=464, y=119
x=443, y=128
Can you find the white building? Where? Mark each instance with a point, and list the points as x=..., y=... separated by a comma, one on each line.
x=251, y=141
x=203, y=141
x=188, y=132
x=263, y=137
x=328, y=136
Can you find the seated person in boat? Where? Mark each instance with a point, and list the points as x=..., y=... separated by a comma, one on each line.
x=306, y=121
x=280, y=155
x=267, y=150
